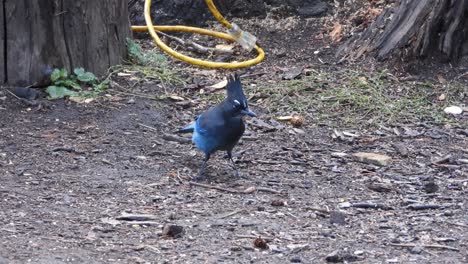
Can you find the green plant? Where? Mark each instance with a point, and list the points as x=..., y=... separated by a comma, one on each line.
x=148, y=66
x=79, y=84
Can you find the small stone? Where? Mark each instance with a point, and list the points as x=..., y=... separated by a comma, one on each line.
x=340, y=256
x=260, y=243
x=131, y=101
x=337, y=217
x=358, y=252
x=334, y=257
x=292, y=73
x=430, y=187
x=373, y=158
x=295, y=259
x=173, y=231
x=453, y=110
x=278, y=202
x=416, y=250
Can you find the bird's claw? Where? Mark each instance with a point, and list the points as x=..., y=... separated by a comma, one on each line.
x=198, y=177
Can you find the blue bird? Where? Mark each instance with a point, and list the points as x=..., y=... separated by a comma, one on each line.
x=221, y=126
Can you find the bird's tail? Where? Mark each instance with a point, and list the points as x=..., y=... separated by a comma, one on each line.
x=187, y=129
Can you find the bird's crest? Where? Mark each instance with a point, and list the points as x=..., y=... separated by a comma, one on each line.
x=235, y=92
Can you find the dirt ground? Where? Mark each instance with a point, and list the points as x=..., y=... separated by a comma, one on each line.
x=73, y=176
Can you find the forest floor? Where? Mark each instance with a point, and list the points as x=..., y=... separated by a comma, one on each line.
x=107, y=181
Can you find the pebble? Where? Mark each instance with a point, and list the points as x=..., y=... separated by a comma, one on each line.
x=296, y=259
x=372, y=158
x=453, y=110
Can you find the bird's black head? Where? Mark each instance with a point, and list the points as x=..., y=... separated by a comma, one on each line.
x=236, y=104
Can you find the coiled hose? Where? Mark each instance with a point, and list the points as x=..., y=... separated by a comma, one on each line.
x=210, y=64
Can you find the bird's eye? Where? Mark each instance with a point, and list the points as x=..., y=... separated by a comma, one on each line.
x=236, y=104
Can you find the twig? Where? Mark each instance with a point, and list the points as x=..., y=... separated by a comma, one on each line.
x=175, y=138
x=136, y=217
x=442, y=160
x=425, y=245
x=147, y=223
x=456, y=224
x=214, y=187
x=268, y=239
x=264, y=189
x=371, y=206
x=232, y=213
x=195, y=46
x=258, y=189
x=423, y=206
x=325, y=211
x=151, y=128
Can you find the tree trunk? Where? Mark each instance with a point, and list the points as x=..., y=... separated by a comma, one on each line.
x=39, y=35
x=414, y=29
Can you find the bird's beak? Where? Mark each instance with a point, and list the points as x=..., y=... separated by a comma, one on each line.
x=248, y=112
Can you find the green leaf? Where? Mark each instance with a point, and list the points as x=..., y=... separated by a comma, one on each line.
x=57, y=92
x=68, y=83
x=79, y=71
x=58, y=74
x=84, y=76
x=101, y=87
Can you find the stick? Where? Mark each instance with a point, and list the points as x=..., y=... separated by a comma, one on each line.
x=197, y=47
x=232, y=213
x=264, y=189
x=258, y=189
x=151, y=128
x=371, y=206
x=325, y=211
x=268, y=239
x=425, y=245
x=175, y=138
x=214, y=187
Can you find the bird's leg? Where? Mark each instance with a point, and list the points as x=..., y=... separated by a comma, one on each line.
x=229, y=155
x=201, y=171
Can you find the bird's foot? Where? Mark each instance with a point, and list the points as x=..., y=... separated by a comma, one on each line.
x=239, y=175
x=199, y=177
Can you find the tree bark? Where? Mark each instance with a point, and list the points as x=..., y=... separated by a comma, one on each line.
x=2, y=45
x=414, y=29
x=40, y=35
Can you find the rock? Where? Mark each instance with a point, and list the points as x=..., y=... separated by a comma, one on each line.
x=416, y=250
x=338, y=256
x=260, y=243
x=334, y=257
x=372, y=158
x=295, y=259
x=292, y=73
x=380, y=187
x=278, y=202
x=453, y=110
x=295, y=248
x=337, y=217
x=430, y=187
x=173, y=231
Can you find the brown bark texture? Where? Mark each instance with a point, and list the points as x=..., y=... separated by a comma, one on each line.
x=36, y=36
x=414, y=29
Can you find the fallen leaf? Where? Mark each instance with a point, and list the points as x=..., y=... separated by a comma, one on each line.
x=226, y=47
x=176, y=97
x=219, y=85
x=441, y=79
x=284, y=118
x=335, y=34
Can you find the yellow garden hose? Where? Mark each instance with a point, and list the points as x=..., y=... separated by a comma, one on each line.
x=210, y=64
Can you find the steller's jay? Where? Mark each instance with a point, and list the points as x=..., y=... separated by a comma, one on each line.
x=221, y=126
